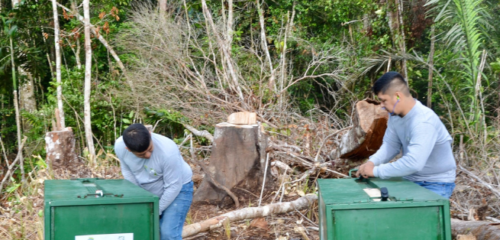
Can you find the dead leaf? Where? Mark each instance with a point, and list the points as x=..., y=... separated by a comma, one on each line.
x=300, y=192
x=101, y=15
x=106, y=27
x=259, y=223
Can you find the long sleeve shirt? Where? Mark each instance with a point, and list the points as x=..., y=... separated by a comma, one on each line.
x=163, y=174
x=426, y=145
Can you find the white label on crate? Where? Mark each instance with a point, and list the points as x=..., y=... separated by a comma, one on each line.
x=373, y=192
x=118, y=236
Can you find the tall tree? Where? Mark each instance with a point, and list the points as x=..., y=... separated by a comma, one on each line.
x=88, y=68
x=16, y=102
x=58, y=63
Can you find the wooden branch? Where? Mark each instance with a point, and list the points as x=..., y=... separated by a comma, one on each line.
x=199, y=133
x=480, y=229
x=249, y=213
x=496, y=192
x=10, y=171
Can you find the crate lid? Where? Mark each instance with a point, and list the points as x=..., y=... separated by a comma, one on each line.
x=351, y=190
x=88, y=191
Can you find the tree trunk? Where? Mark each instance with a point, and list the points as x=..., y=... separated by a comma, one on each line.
x=88, y=68
x=27, y=100
x=481, y=230
x=162, y=5
x=235, y=163
x=58, y=63
x=395, y=18
x=431, y=68
x=365, y=137
x=60, y=147
x=18, y=123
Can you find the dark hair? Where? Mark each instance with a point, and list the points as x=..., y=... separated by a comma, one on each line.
x=137, y=138
x=385, y=82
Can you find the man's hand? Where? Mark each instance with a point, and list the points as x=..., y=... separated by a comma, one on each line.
x=366, y=170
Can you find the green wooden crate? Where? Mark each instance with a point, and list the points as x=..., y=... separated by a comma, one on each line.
x=412, y=212
x=120, y=210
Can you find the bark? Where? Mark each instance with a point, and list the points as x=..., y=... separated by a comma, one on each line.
x=27, y=99
x=162, y=5
x=365, y=137
x=249, y=213
x=88, y=68
x=480, y=229
x=431, y=66
x=402, y=42
x=60, y=148
x=235, y=162
x=229, y=37
x=57, y=48
x=395, y=19
x=18, y=123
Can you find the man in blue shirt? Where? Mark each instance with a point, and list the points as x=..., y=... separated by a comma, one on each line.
x=416, y=130
x=154, y=163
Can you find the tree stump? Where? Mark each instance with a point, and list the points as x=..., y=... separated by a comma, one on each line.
x=60, y=147
x=366, y=135
x=237, y=162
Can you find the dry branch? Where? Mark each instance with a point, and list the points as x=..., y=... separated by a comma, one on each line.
x=249, y=213
x=199, y=133
x=496, y=192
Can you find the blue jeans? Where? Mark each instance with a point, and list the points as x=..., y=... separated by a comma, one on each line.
x=172, y=219
x=442, y=188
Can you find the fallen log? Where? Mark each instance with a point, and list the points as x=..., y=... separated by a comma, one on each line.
x=480, y=229
x=249, y=213
x=365, y=137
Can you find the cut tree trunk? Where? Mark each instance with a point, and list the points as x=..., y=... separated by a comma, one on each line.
x=235, y=163
x=365, y=137
x=480, y=229
x=60, y=147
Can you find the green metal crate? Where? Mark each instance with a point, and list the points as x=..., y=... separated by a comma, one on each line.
x=412, y=212
x=120, y=210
